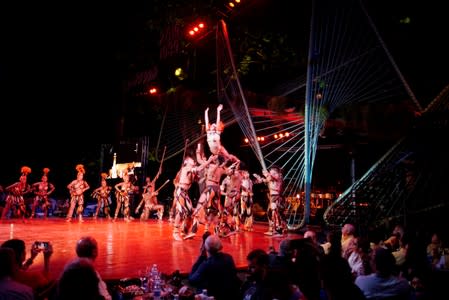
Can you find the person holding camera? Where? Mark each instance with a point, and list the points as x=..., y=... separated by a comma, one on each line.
x=10, y=288
x=39, y=281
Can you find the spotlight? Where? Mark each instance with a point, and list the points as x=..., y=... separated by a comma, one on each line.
x=197, y=29
x=153, y=90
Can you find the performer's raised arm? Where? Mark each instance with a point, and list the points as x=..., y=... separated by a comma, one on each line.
x=217, y=123
x=206, y=118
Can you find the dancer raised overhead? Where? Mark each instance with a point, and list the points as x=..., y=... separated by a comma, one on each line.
x=42, y=190
x=213, y=132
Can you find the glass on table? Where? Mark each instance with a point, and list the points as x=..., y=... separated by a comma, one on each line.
x=142, y=274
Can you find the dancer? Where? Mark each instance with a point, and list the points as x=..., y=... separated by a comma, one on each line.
x=123, y=190
x=246, y=201
x=183, y=223
x=102, y=194
x=149, y=200
x=213, y=133
x=275, y=212
x=209, y=200
x=77, y=188
x=42, y=190
x=16, y=191
x=230, y=188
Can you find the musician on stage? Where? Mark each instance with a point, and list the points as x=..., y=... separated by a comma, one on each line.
x=42, y=190
x=102, y=194
x=77, y=188
x=275, y=212
x=123, y=190
x=15, y=201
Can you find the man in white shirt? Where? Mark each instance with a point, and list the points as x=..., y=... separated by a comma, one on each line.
x=87, y=247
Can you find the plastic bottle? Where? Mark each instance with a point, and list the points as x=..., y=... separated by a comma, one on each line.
x=203, y=295
x=152, y=276
x=157, y=290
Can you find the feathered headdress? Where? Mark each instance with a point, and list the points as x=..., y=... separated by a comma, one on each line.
x=46, y=171
x=104, y=175
x=25, y=170
x=80, y=168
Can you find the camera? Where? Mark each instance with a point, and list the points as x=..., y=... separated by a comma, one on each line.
x=41, y=245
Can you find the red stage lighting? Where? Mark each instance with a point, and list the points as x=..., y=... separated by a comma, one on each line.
x=153, y=90
x=197, y=29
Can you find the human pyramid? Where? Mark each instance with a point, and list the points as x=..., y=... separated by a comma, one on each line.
x=235, y=213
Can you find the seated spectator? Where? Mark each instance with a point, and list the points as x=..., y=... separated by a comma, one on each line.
x=9, y=288
x=392, y=242
x=215, y=271
x=264, y=282
x=347, y=235
x=337, y=279
x=87, y=247
x=435, y=244
x=383, y=284
x=283, y=258
x=79, y=280
x=310, y=234
x=39, y=281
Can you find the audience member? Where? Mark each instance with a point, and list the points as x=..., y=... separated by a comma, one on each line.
x=79, y=280
x=384, y=284
x=337, y=279
x=215, y=272
x=9, y=288
x=264, y=283
x=310, y=234
x=87, y=247
x=39, y=281
x=347, y=235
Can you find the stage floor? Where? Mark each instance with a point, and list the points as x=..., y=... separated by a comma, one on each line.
x=125, y=248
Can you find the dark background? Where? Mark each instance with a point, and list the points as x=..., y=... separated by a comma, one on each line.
x=62, y=67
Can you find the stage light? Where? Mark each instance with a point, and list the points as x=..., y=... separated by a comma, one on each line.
x=276, y=136
x=180, y=74
x=196, y=29
x=246, y=140
x=287, y=134
x=153, y=90
x=232, y=4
